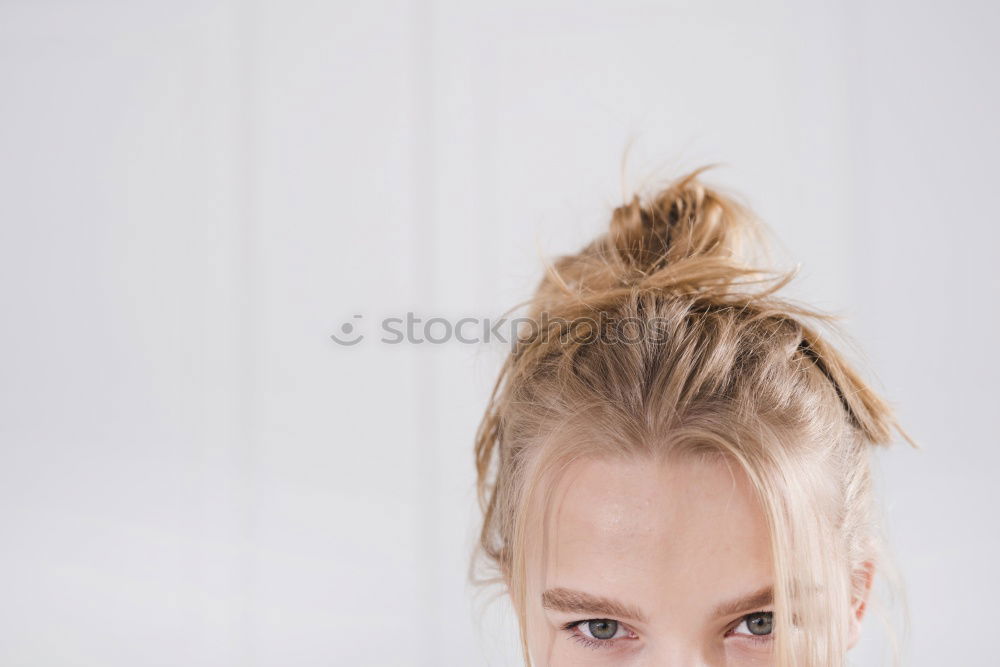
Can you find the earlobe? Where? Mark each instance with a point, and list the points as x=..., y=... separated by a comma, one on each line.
x=862, y=579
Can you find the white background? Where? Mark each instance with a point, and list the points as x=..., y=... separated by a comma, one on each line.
x=196, y=194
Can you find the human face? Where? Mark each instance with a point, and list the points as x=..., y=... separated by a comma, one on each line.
x=649, y=563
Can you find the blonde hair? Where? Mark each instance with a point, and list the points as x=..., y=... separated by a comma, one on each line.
x=714, y=364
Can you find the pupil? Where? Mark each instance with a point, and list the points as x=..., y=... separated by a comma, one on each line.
x=760, y=624
x=603, y=629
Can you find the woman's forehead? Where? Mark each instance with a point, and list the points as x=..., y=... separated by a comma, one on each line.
x=651, y=531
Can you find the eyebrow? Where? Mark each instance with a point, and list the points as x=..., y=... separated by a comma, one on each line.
x=570, y=601
x=751, y=602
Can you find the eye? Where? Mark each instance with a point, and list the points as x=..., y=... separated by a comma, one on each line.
x=600, y=633
x=758, y=625
x=602, y=629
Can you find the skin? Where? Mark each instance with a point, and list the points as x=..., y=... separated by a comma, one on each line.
x=670, y=544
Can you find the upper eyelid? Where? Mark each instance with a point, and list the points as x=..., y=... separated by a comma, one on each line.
x=737, y=621
x=573, y=624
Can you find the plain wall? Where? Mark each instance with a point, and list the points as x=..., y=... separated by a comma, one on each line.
x=196, y=194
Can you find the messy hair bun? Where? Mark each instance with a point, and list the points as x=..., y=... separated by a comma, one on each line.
x=685, y=240
x=721, y=362
x=694, y=246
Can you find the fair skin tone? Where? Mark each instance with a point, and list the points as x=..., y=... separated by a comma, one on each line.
x=650, y=563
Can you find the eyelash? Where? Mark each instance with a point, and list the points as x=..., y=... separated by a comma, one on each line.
x=598, y=644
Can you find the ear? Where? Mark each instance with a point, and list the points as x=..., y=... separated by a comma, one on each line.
x=862, y=579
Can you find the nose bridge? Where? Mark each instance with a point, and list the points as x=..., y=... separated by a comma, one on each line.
x=674, y=653
x=676, y=659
